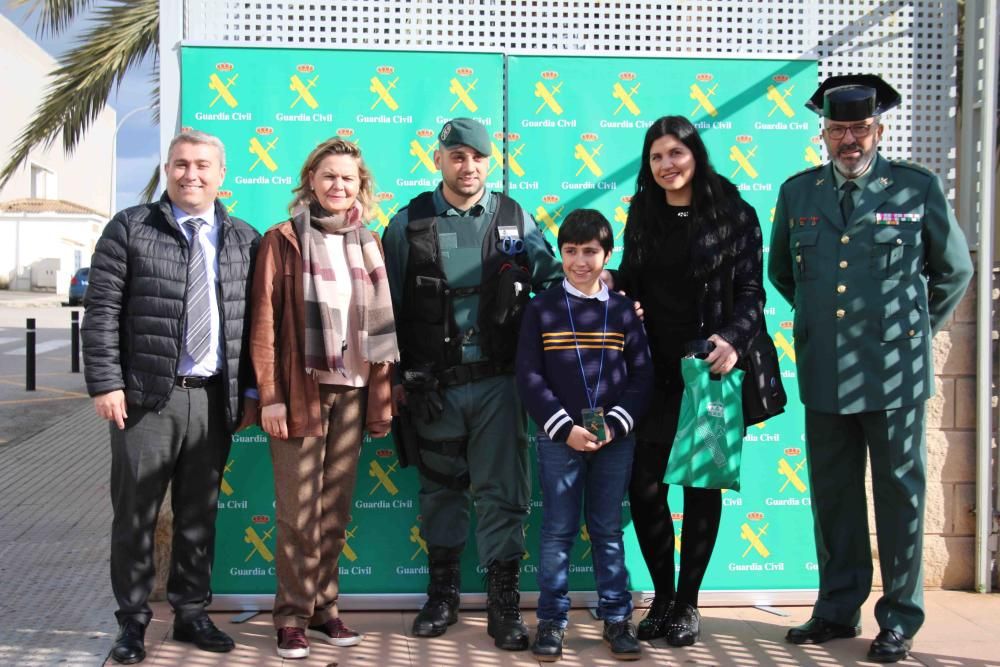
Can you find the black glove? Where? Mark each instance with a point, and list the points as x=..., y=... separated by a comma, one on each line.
x=423, y=395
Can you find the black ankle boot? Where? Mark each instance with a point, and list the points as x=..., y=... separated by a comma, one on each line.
x=503, y=597
x=654, y=625
x=443, y=592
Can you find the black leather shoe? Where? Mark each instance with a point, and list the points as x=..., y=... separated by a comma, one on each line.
x=684, y=628
x=654, y=625
x=819, y=630
x=129, y=648
x=620, y=638
x=202, y=633
x=889, y=646
x=548, y=642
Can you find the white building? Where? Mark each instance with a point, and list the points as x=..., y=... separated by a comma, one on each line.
x=53, y=209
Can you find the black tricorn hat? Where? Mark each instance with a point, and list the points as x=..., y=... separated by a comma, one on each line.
x=853, y=97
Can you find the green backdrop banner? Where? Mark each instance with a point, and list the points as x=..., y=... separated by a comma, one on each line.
x=574, y=135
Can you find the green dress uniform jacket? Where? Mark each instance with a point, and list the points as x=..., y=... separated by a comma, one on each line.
x=869, y=294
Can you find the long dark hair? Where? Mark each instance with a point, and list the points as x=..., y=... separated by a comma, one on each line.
x=712, y=196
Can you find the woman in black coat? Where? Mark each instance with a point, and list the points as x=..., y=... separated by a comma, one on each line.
x=689, y=236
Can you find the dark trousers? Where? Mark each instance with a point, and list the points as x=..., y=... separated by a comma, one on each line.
x=185, y=445
x=837, y=447
x=651, y=514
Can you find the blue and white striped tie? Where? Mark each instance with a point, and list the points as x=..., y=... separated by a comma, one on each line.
x=199, y=318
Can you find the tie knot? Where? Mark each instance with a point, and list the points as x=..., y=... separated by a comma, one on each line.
x=194, y=224
x=848, y=186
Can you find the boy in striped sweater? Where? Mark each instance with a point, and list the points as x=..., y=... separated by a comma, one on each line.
x=584, y=374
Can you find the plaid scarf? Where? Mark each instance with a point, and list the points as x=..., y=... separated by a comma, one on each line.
x=371, y=305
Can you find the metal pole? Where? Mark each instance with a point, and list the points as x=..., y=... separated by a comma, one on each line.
x=29, y=356
x=985, y=537
x=75, y=347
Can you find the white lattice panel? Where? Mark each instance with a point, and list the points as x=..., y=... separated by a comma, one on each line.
x=911, y=43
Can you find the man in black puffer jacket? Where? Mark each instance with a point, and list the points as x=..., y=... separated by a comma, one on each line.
x=165, y=347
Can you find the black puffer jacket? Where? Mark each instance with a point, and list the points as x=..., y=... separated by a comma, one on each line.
x=133, y=325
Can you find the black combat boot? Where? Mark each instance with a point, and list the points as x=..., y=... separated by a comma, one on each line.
x=504, y=622
x=443, y=593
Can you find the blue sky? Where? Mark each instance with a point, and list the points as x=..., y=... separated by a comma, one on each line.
x=138, y=140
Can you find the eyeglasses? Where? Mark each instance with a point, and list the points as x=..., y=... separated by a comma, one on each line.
x=859, y=131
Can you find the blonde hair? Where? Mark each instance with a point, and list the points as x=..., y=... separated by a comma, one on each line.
x=336, y=146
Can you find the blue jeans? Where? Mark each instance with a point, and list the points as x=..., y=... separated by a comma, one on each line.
x=597, y=481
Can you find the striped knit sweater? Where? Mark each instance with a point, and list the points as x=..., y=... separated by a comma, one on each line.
x=548, y=364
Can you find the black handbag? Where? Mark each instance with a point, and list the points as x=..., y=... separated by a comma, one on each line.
x=763, y=393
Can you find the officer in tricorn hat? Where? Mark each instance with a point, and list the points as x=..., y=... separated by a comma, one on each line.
x=870, y=256
x=461, y=262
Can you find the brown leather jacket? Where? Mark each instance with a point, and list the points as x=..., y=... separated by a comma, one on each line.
x=277, y=322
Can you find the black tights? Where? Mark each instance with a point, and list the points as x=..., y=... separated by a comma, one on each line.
x=651, y=514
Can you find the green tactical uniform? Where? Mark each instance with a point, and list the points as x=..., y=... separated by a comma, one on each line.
x=486, y=413
x=868, y=295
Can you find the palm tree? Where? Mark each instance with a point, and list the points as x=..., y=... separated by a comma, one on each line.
x=122, y=34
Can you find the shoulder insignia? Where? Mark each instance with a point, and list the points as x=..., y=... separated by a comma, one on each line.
x=906, y=164
x=807, y=170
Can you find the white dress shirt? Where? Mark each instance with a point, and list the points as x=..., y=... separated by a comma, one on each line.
x=208, y=237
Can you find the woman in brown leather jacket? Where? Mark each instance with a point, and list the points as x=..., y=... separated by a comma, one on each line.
x=322, y=341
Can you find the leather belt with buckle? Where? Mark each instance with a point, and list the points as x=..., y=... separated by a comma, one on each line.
x=195, y=381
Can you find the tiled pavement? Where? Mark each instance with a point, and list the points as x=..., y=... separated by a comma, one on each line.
x=56, y=605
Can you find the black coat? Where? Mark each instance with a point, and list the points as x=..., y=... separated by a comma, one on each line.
x=133, y=325
x=735, y=249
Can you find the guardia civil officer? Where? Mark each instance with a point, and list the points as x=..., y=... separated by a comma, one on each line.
x=461, y=262
x=870, y=256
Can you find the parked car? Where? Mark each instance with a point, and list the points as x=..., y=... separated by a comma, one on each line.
x=78, y=286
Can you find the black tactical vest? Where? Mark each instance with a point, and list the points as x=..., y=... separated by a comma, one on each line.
x=429, y=336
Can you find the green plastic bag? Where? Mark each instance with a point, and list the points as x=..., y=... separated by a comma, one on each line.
x=709, y=441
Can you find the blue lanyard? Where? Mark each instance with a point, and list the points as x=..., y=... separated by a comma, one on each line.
x=591, y=396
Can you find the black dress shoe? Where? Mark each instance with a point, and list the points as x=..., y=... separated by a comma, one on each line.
x=684, y=627
x=654, y=625
x=889, y=646
x=202, y=633
x=129, y=648
x=819, y=630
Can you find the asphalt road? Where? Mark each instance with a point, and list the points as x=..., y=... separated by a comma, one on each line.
x=58, y=392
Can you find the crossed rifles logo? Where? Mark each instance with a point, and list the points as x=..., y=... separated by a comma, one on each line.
x=753, y=537
x=303, y=89
x=222, y=88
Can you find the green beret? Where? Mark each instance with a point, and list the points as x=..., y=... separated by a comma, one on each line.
x=466, y=132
